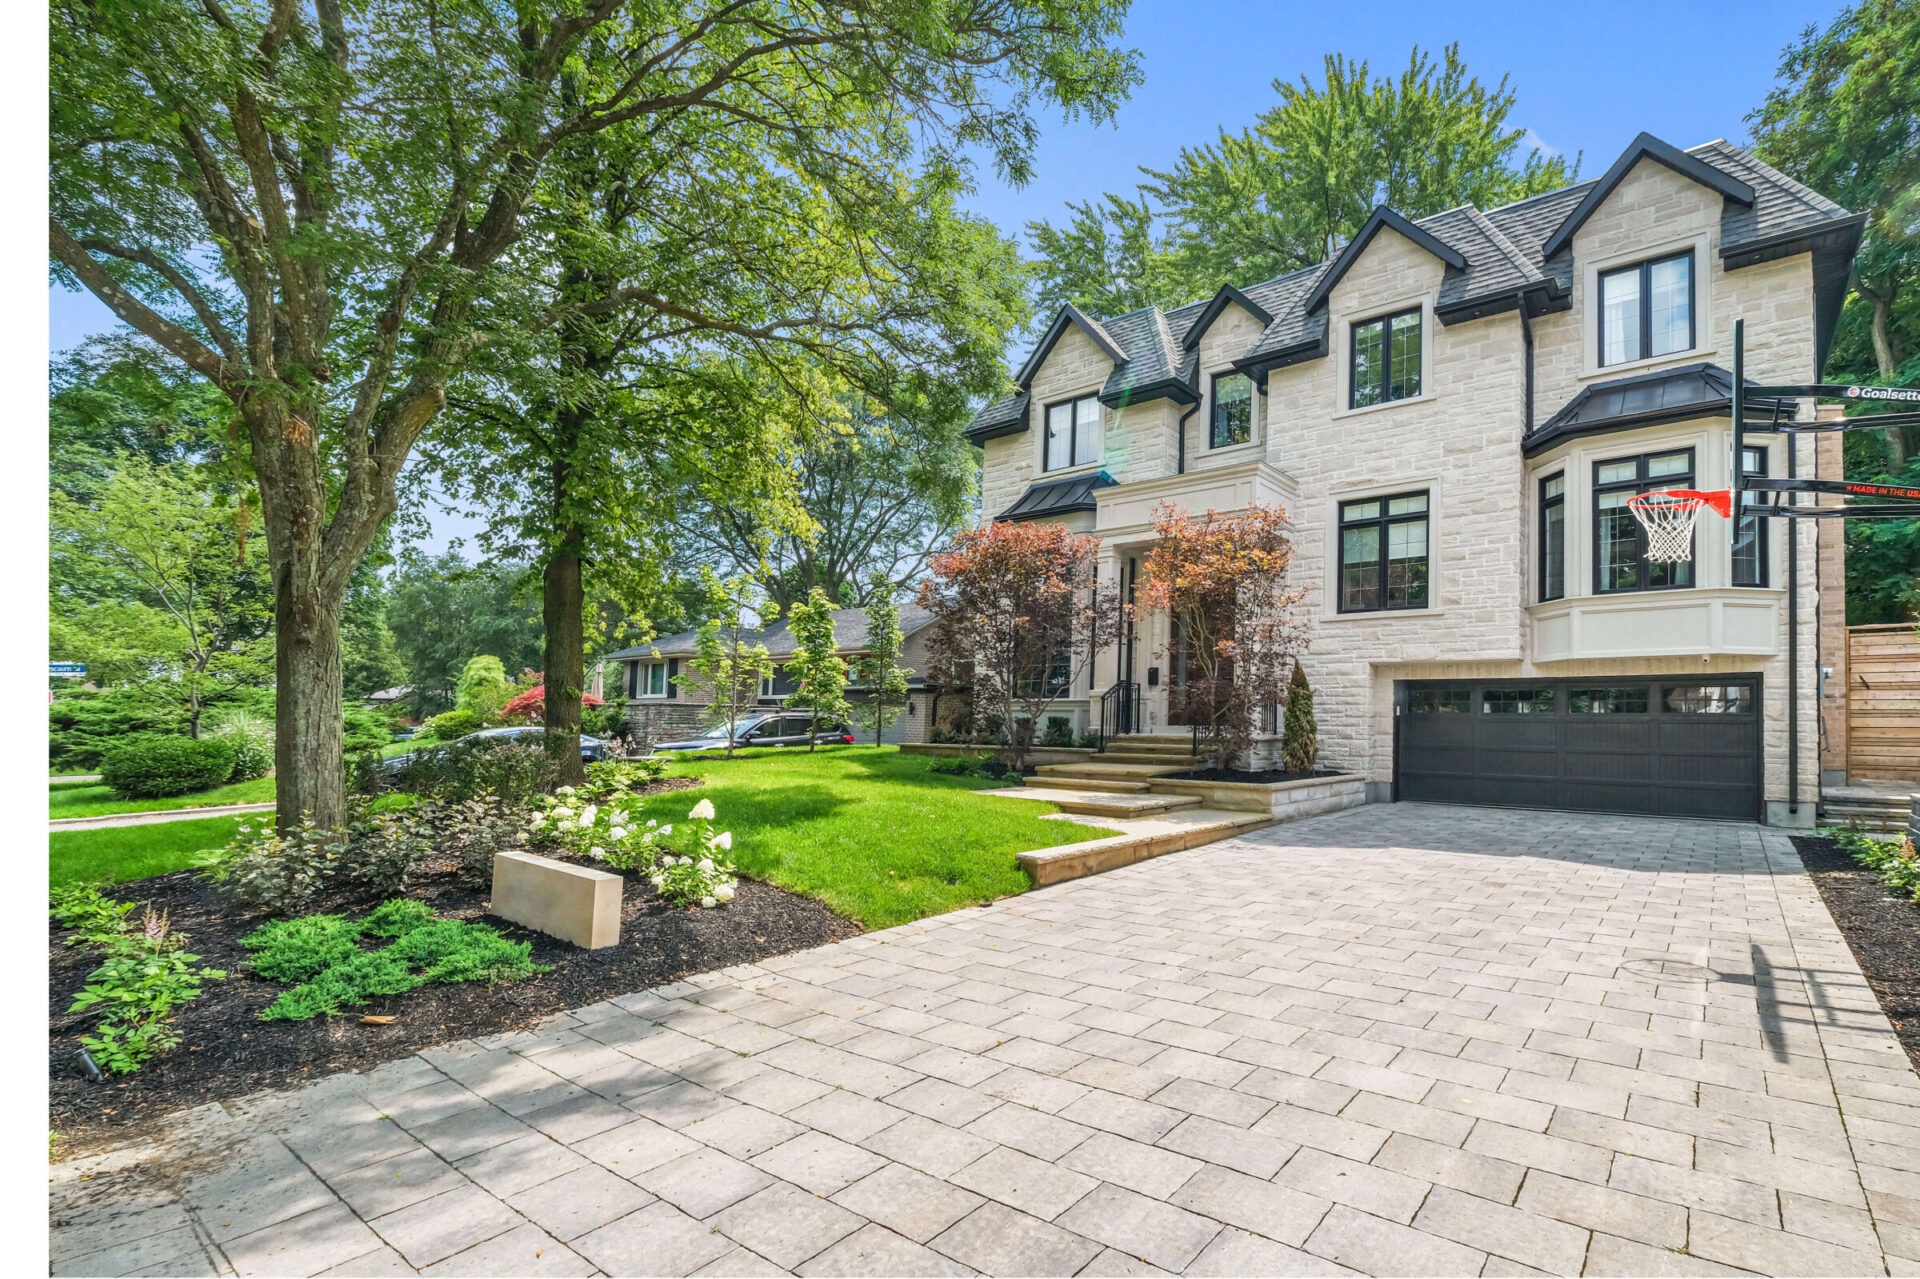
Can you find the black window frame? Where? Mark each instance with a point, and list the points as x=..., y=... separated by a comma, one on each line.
x=1762, y=568
x=1213, y=410
x=1383, y=521
x=1073, y=436
x=1641, y=484
x=1547, y=503
x=1386, y=357
x=1645, y=270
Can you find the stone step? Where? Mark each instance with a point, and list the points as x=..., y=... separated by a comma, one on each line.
x=1137, y=748
x=1172, y=832
x=1107, y=771
x=1101, y=803
x=1089, y=783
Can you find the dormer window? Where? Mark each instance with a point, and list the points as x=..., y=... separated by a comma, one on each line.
x=1073, y=433
x=1232, y=410
x=1386, y=360
x=1646, y=310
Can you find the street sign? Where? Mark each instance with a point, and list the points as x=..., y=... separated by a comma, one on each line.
x=71, y=670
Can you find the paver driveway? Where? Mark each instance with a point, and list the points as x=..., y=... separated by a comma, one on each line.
x=1401, y=1039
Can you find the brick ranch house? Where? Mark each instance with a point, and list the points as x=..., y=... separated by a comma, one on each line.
x=1453, y=411
x=666, y=700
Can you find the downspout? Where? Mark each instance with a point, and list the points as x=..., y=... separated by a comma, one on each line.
x=1526, y=333
x=1181, y=432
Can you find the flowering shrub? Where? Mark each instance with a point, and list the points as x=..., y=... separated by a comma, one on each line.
x=613, y=833
x=532, y=704
x=703, y=876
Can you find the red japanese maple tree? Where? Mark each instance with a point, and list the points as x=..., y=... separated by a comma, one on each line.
x=1222, y=580
x=533, y=704
x=1018, y=618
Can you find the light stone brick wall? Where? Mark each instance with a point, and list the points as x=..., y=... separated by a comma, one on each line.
x=1459, y=441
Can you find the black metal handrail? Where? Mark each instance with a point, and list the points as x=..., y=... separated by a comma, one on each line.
x=1117, y=706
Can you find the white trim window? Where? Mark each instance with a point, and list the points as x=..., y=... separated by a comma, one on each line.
x=652, y=680
x=1647, y=309
x=1073, y=434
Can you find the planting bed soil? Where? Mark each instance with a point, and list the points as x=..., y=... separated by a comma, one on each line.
x=1264, y=776
x=1882, y=930
x=227, y=1051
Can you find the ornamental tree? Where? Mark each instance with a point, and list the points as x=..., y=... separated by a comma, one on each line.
x=324, y=211
x=819, y=672
x=728, y=656
x=532, y=704
x=1222, y=581
x=1018, y=617
x=878, y=668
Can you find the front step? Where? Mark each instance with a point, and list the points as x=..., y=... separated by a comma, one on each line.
x=1102, y=804
x=1090, y=783
x=1115, y=771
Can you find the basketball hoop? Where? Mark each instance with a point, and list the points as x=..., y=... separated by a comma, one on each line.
x=1668, y=515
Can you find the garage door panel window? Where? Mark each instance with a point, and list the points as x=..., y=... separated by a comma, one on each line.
x=1620, y=546
x=1607, y=701
x=1708, y=699
x=1517, y=701
x=1383, y=553
x=1440, y=701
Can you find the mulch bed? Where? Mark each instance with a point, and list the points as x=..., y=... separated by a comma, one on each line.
x=1263, y=775
x=227, y=1051
x=1882, y=930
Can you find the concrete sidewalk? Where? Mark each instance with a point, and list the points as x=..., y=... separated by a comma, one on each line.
x=1402, y=1039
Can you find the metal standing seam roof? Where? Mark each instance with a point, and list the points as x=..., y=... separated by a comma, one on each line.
x=1057, y=497
x=1669, y=395
x=1503, y=253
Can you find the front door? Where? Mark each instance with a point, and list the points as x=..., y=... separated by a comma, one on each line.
x=1183, y=672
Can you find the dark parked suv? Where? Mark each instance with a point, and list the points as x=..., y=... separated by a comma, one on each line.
x=783, y=729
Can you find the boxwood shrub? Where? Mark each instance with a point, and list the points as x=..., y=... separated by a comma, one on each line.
x=161, y=767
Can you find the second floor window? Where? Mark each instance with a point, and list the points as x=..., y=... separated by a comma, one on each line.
x=1620, y=545
x=1232, y=410
x=1073, y=433
x=1386, y=360
x=1383, y=553
x=1646, y=310
x=1553, y=537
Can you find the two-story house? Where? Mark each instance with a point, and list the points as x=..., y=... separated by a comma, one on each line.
x=1453, y=412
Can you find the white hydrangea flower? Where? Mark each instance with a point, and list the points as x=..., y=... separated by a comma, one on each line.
x=702, y=811
x=562, y=811
x=655, y=880
x=564, y=790
x=564, y=826
x=619, y=833
x=589, y=814
x=704, y=864
x=724, y=841
x=724, y=892
x=664, y=831
x=598, y=853
x=655, y=821
x=708, y=902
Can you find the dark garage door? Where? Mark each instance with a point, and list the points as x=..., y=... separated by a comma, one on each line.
x=1677, y=746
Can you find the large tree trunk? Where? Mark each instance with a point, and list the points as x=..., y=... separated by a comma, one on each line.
x=309, y=748
x=562, y=606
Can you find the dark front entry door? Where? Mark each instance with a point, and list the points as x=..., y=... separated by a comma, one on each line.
x=1187, y=705
x=1682, y=746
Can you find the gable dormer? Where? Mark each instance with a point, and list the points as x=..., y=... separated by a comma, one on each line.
x=1646, y=147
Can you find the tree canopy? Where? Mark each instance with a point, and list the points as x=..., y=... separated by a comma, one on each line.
x=1285, y=192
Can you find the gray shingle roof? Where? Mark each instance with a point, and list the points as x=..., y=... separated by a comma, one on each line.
x=1503, y=252
x=849, y=633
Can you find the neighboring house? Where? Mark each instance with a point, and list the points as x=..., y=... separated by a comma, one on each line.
x=665, y=699
x=1453, y=412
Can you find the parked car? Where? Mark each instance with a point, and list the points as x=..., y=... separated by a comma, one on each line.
x=781, y=729
x=592, y=749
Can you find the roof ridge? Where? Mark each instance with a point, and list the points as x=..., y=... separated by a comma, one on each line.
x=1502, y=243
x=1799, y=190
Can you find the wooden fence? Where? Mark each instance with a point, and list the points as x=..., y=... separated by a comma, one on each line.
x=1883, y=703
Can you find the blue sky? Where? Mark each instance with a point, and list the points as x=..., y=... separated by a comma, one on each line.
x=1588, y=78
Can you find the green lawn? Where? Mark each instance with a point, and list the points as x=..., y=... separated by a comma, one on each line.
x=119, y=853
x=868, y=830
x=90, y=799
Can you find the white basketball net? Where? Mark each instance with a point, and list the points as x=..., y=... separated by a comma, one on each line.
x=1668, y=519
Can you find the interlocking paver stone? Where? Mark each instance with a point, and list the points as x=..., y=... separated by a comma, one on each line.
x=1400, y=1039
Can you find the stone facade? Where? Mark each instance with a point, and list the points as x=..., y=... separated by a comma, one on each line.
x=1464, y=441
